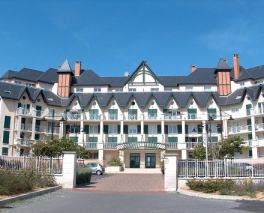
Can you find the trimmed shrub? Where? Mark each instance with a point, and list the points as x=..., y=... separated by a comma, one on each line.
x=83, y=175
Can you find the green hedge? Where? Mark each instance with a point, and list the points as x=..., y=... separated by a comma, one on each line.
x=83, y=175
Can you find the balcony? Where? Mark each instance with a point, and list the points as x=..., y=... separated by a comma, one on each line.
x=192, y=145
x=192, y=116
x=132, y=117
x=90, y=145
x=94, y=117
x=172, y=117
x=243, y=128
x=23, y=142
x=26, y=127
x=110, y=145
x=152, y=116
x=48, y=130
x=170, y=145
x=23, y=111
x=112, y=117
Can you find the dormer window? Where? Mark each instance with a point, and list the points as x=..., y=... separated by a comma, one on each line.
x=132, y=90
x=238, y=97
x=7, y=91
x=80, y=89
x=97, y=89
x=207, y=88
x=189, y=88
x=154, y=89
x=242, y=84
x=50, y=99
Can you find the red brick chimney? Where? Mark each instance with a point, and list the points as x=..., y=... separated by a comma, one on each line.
x=236, y=66
x=193, y=68
x=77, y=70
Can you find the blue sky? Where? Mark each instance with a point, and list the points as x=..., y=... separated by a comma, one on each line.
x=113, y=36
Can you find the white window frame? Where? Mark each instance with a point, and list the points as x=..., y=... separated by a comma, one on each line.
x=80, y=89
x=172, y=129
x=93, y=129
x=168, y=89
x=154, y=89
x=17, y=82
x=207, y=88
x=152, y=129
x=97, y=89
x=235, y=110
x=188, y=88
x=242, y=84
x=132, y=129
x=112, y=129
x=132, y=89
x=119, y=90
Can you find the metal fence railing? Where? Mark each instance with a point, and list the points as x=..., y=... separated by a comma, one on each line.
x=220, y=168
x=48, y=165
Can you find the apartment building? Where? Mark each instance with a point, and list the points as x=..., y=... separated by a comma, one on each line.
x=138, y=116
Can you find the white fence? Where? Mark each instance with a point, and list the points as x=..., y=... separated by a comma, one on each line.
x=220, y=168
x=48, y=165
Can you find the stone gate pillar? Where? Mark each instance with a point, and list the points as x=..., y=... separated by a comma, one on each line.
x=69, y=169
x=170, y=172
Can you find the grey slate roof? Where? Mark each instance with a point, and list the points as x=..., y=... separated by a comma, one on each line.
x=50, y=76
x=103, y=98
x=171, y=81
x=84, y=98
x=122, y=99
x=28, y=74
x=33, y=93
x=181, y=98
x=9, y=74
x=65, y=67
x=56, y=100
x=162, y=98
x=256, y=72
x=202, y=98
x=88, y=78
x=201, y=76
x=116, y=81
x=222, y=65
x=11, y=91
x=142, y=98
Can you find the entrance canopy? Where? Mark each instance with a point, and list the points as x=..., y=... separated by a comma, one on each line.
x=141, y=146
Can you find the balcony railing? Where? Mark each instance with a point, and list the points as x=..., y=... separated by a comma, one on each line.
x=192, y=145
x=46, y=129
x=152, y=116
x=26, y=127
x=132, y=117
x=23, y=111
x=239, y=128
x=172, y=117
x=93, y=117
x=112, y=116
x=171, y=145
x=110, y=145
x=192, y=116
x=90, y=145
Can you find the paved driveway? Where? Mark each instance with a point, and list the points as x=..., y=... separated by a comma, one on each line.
x=125, y=183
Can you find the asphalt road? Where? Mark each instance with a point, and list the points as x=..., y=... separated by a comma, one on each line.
x=67, y=201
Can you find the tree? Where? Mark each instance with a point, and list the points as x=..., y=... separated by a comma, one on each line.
x=54, y=148
x=225, y=149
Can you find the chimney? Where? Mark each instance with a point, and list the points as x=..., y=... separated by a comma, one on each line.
x=193, y=68
x=236, y=66
x=77, y=68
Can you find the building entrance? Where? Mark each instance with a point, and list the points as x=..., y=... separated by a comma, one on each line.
x=134, y=160
x=150, y=161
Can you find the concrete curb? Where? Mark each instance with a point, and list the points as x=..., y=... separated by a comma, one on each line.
x=209, y=196
x=29, y=195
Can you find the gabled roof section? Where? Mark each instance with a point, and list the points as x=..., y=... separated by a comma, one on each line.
x=171, y=81
x=142, y=98
x=142, y=72
x=122, y=98
x=162, y=98
x=201, y=76
x=202, y=98
x=65, y=67
x=103, y=99
x=9, y=74
x=256, y=72
x=253, y=91
x=11, y=91
x=235, y=97
x=181, y=98
x=51, y=98
x=50, y=76
x=88, y=78
x=33, y=93
x=84, y=98
x=28, y=74
x=116, y=81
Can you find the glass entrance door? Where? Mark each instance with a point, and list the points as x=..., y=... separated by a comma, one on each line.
x=150, y=160
x=134, y=160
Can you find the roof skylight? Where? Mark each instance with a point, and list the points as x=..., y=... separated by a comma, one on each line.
x=50, y=99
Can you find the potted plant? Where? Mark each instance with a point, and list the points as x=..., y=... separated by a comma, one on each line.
x=114, y=165
x=162, y=166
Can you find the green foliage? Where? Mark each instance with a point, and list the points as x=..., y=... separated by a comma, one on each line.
x=83, y=175
x=114, y=161
x=16, y=182
x=199, y=152
x=162, y=164
x=54, y=148
x=224, y=149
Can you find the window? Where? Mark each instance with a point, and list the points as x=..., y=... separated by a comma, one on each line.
x=113, y=129
x=172, y=139
x=192, y=113
x=132, y=114
x=154, y=89
x=93, y=114
x=234, y=110
x=152, y=139
x=260, y=108
x=4, y=151
x=47, y=87
x=152, y=129
x=17, y=82
x=97, y=89
x=152, y=114
x=112, y=139
x=132, y=129
x=168, y=89
x=79, y=89
x=242, y=84
x=119, y=90
x=6, y=137
x=207, y=88
x=30, y=85
x=93, y=129
x=7, y=122
x=132, y=90
x=211, y=113
x=132, y=139
x=260, y=81
x=189, y=88
x=112, y=114
x=172, y=129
